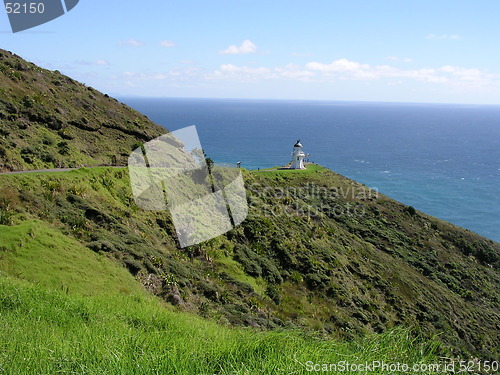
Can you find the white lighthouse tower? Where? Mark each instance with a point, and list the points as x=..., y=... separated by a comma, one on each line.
x=298, y=156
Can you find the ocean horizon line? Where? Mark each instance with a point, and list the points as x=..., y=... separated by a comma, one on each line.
x=285, y=100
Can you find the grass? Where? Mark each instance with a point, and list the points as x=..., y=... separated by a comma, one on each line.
x=35, y=252
x=65, y=309
x=49, y=332
x=345, y=276
x=234, y=269
x=310, y=168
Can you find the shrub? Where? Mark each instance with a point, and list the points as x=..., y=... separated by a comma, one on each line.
x=316, y=280
x=248, y=259
x=5, y=217
x=29, y=154
x=102, y=245
x=133, y=265
x=411, y=210
x=49, y=158
x=273, y=293
x=270, y=271
x=208, y=290
x=48, y=140
x=28, y=102
x=63, y=147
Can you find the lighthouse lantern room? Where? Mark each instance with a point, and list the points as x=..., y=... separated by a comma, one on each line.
x=298, y=156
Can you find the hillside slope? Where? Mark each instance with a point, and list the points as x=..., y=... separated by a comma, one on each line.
x=374, y=265
x=50, y=332
x=48, y=120
x=317, y=251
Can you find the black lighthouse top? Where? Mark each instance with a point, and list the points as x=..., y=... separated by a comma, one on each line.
x=297, y=144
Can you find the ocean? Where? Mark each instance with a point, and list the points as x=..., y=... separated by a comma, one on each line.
x=443, y=159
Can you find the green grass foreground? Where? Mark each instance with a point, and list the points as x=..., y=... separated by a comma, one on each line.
x=50, y=332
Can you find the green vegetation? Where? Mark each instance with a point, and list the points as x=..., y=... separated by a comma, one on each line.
x=48, y=120
x=317, y=252
x=35, y=252
x=48, y=332
x=278, y=171
x=322, y=268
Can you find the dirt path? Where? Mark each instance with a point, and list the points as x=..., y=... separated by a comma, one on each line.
x=61, y=169
x=41, y=170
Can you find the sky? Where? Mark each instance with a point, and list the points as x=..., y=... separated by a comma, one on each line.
x=392, y=51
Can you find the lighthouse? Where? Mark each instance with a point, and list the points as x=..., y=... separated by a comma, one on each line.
x=298, y=156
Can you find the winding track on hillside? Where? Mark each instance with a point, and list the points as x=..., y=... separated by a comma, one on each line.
x=40, y=170
x=61, y=169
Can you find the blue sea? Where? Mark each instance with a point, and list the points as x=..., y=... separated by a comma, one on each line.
x=442, y=159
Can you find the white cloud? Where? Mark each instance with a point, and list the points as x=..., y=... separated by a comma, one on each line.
x=464, y=74
x=295, y=72
x=443, y=36
x=344, y=69
x=102, y=62
x=167, y=43
x=242, y=72
x=131, y=43
x=245, y=73
x=341, y=65
x=172, y=75
x=319, y=75
x=246, y=47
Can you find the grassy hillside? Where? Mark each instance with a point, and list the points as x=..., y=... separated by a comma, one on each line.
x=318, y=251
x=35, y=252
x=66, y=309
x=48, y=332
x=48, y=120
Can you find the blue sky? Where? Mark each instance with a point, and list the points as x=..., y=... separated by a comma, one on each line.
x=421, y=51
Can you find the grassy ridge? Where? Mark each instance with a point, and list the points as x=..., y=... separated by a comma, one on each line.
x=48, y=332
x=293, y=262
x=48, y=120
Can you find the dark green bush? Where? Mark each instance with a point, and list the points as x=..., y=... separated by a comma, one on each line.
x=48, y=140
x=273, y=293
x=102, y=245
x=270, y=272
x=133, y=265
x=29, y=154
x=316, y=280
x=208, y=290
x=63, y=147
x=248, y=259
x=48, y=158
x=411, y=210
